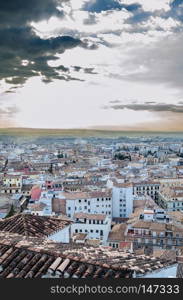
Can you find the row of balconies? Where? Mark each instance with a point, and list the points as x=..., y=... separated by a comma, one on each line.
x=154, y=237
x=150, y=243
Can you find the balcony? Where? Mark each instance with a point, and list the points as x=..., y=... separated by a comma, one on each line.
x=130, y=234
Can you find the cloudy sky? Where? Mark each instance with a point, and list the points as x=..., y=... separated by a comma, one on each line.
x=108, y=64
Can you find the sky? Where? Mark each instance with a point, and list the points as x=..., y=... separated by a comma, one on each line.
x=96, y=64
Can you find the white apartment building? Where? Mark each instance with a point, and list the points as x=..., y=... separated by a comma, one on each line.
x=171, y=198
x=116, y=202
x=90, y=203
x=149, y=188
x=96, y=226
x=122, y=200
x=11, y=184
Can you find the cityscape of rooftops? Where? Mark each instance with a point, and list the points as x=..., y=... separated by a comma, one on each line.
x=91, y=139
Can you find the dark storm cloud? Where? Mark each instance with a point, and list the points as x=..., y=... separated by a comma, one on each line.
x=159, y=107
x=19, y=42
x=176, y=10
x=22, y=44
x=105, y=5
x=17, y=13
x=85, y=70
x=139, y=16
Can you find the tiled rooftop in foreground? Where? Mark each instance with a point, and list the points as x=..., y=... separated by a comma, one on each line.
x=30, y=225
x=22, y=257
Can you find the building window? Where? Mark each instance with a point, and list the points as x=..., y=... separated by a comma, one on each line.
x=69, y=208
x=76, y=231
x=96, y=231
x=91, y=230
x=101, y=232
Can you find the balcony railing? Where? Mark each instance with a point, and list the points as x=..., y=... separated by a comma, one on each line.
x=133, y=235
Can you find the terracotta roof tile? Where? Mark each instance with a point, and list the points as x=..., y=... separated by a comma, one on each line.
x=30, y=225
x=32, y=258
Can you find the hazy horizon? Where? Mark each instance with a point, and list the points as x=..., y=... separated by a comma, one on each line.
x=80, y=132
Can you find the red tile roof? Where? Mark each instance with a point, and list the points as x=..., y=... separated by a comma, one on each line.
x=35, y=258
x=30, y=225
